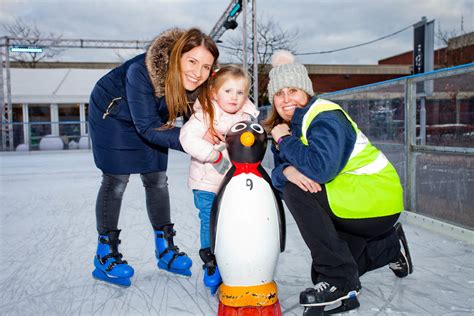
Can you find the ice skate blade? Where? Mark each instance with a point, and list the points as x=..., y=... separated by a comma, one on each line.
x=213, y=289
x=180, y=272
x=102, y=276
x=401, y=236
x=350, y=295
x=346, y=305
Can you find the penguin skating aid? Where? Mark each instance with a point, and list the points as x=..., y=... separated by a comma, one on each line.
x=247, y=226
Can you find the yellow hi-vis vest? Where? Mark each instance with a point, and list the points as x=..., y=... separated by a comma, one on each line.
x=368, y=186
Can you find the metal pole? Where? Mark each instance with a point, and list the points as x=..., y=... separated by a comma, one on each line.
x=26, y=126
x=255, y=53
x=422, y=121
x=54, y=114
x=82, y=118
x=410, y=139
x=458, y=110
x=9, y=130
x=2, y=102
x=244, y=34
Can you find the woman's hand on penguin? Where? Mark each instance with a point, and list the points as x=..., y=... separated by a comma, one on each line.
x=302, y=181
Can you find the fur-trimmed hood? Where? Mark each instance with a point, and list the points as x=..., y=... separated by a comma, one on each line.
x=157, y=57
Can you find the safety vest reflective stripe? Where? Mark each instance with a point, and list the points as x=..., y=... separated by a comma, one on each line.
x=361, y=143
x=363, y=155
x=375, y=166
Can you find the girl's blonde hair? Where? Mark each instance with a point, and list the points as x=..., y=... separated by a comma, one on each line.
x=175, y=93
x=218, y=78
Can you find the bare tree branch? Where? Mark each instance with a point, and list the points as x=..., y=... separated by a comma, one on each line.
x=32, y=36
x=456, y=43
x=270, y=38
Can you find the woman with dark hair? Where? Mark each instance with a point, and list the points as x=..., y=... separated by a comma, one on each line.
x=343, y=192
x=132, y=112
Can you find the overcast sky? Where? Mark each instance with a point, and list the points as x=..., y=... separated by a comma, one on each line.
x=321, y=24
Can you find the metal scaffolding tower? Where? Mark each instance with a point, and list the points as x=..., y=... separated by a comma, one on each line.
x=248, y=26
x=6, y=124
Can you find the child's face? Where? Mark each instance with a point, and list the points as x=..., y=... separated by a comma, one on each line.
x=231, y=95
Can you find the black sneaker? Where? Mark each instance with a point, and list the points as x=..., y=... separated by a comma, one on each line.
x=403, y=266
x=324, y=293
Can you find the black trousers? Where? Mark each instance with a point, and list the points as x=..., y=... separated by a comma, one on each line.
x=341, y=249
x=109, y=200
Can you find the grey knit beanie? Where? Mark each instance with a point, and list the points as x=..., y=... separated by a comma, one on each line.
x=287, y=73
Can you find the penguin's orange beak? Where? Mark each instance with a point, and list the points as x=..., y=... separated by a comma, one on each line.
x=247, y=139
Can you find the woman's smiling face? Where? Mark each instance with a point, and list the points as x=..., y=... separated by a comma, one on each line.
x=287, y=100
x=196, y=66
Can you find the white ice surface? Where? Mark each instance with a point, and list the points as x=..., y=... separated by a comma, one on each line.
x=48, y=240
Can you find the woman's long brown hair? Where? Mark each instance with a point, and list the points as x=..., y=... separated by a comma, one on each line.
x=272, y=120
x=215, y=82
x=175, y=93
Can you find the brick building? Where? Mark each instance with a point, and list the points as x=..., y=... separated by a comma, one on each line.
x=460, y=50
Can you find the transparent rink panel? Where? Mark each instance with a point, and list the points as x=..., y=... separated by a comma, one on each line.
x=444, y=188
x=379, y=113
x=449, y=111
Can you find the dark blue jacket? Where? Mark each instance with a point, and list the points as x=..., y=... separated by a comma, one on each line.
x=331, y=139
x=127, y=140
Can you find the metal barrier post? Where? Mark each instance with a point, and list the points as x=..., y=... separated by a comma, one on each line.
x=410, y=141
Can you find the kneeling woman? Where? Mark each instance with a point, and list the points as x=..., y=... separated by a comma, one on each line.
x=344, y=194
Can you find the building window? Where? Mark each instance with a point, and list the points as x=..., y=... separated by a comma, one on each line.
x=17, y=118
x=69, y=122
x=40, y=122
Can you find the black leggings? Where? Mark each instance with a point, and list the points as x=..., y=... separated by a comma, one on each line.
x=109, y=200
x=341, y=249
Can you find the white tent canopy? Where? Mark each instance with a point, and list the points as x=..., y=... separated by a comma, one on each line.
x=53, y=85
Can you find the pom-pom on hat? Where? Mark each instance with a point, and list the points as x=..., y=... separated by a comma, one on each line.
x=287, y=73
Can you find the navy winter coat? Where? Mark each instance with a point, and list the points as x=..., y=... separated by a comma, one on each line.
x=125, y=137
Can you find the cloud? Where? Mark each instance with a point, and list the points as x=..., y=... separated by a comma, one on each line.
x=322, y=25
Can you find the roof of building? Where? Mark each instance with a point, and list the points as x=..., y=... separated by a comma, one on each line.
x=53, y=85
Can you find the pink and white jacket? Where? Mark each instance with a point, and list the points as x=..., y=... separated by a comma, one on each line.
x=202, y=175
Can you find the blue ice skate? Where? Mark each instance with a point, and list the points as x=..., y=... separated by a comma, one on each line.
x=168, y=255
x=212, y=278
x=108, y=262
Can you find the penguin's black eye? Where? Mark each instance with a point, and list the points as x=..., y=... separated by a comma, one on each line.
x=238, y=127
x=258, y=128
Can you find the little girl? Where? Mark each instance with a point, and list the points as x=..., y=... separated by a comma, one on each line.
x=227, y=103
